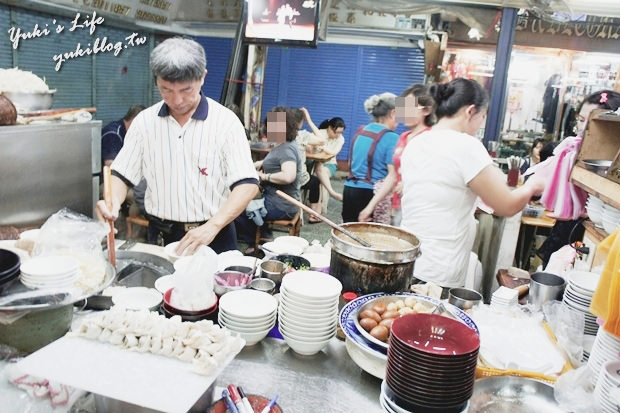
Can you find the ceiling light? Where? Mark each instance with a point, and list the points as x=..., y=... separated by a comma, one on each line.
x=474, y=33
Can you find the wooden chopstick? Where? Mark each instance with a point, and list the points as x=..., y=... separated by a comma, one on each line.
x=107, y=197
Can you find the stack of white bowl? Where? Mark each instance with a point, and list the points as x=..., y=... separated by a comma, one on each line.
x=52, y=271
x=607, y=390
x=308, y=312
x=606, y=348
x=578, y=296
x=250, y=313
x=611, y=218
x=594, y=206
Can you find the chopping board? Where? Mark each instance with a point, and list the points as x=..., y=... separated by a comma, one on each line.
x=149, y=380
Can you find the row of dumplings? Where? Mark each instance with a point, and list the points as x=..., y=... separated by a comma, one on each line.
x=203, y=343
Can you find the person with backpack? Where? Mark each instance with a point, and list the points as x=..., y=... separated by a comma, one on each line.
x=370, y=154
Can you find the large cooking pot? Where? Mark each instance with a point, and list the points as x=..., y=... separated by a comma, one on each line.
x=386, y=266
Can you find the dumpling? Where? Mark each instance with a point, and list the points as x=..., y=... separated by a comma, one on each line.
x=105, y=334
x=130, y=341
x=116, y=338
x=93, y=331
x=155, y=345
x=166, y=346
x=188, y=354
x=177, y=347
x=205, y=367
x=144, y=344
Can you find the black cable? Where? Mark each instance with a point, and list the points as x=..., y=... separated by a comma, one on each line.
x=583, y=250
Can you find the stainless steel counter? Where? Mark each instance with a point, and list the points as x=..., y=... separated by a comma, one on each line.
x=325, y=382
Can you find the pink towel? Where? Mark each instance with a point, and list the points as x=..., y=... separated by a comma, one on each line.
x=560, y=196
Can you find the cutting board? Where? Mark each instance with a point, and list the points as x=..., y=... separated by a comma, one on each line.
x=149, y=380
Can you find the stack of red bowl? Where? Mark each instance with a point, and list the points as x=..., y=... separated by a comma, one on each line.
x=188, y=315
x=431, y=364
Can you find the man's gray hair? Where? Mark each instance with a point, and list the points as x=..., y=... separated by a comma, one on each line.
x=178, y=60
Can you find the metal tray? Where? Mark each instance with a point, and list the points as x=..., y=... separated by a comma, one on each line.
x=599, y=166
x=512, y=394
x=429, y=303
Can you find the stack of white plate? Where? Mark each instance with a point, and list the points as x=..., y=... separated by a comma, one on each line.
x=588, y=343
x=578, y=296
x=52, y=271
x=308, y=313
x=250, y=313
x=594, y=206
x=610, y=218
x=607, y=390
x=606, y=348
x=504, y=297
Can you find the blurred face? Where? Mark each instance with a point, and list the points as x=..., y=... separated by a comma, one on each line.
x=334, y=133
x=536, y=150
x=276, y=126
x=182, y=98
x=409, y=113
x=476, y=118
x=582, y=117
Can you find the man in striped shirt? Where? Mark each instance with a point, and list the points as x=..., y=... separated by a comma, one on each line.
x=193, y=153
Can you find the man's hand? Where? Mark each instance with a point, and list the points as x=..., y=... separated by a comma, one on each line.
x=203, y=235
x=102, y=212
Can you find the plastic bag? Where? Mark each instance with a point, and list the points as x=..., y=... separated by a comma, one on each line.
x=568, y=327
x=574, y=391
x=70, y=233
x=194, y=281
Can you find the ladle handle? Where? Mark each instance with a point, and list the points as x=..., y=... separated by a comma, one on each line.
x=321, y=217
x=107, y=197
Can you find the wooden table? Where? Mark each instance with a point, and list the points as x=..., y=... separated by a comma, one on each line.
x=527, y=234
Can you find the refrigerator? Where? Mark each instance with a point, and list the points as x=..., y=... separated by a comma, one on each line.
x=46, y=167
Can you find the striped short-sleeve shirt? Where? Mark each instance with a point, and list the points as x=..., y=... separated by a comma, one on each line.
x=190, y=169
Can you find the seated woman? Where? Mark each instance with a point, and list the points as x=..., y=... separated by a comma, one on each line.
x=534, y=157
x=328, y=137
x=281, y=169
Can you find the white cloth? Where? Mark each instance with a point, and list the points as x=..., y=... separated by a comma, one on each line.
x=332, y=145
x=189, y=169
x=437, y=203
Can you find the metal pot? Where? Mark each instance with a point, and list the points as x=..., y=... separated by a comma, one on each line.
x=381, y=268
x=31, y=101
x=37, y=328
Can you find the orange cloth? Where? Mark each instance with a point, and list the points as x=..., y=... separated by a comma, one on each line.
x=606, y=300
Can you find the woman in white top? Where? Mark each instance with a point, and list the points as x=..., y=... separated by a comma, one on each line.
x=444, y=170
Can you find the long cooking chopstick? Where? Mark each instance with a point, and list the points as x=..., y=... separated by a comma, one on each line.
x=107, y=197
x=322, y=218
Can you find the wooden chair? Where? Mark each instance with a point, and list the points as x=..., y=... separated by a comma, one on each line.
x=137, y=220
x=292, y=226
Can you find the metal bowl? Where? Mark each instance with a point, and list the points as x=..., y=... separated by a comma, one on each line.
x=31, y=101
x=599, y=166
x=512, y=394
x=263, y=284
x=464, y=298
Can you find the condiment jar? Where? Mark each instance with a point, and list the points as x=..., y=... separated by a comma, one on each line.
x=345, y=298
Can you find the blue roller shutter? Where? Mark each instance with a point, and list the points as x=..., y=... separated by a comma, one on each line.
x=218, y=51
x=6, y=51
x=73, y=81
x=335, y=80
x=120, y=81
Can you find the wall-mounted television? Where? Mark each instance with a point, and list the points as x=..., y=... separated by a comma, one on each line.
x=281, y=22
